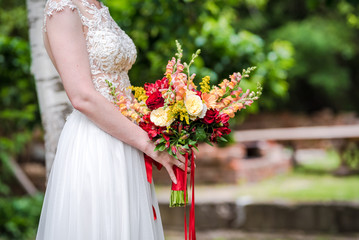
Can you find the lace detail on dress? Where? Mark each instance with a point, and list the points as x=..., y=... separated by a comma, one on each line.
x=54, y=6
x=111, y=51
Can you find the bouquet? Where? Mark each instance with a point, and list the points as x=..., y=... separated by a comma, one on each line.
x=177, y=115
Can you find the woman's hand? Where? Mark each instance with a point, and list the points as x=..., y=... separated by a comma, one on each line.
x=168, y=161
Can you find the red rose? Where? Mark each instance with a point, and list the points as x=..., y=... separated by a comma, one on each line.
x=223, y=118
x=211, y=115
x=155, y=101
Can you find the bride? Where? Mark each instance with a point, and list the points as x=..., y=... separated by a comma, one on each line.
x=97, y=187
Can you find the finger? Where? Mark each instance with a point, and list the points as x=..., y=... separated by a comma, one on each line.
x=182, y=166
x=181, y=158
x=171, y=173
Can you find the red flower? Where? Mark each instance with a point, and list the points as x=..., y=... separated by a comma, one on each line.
x=151, y=129
x=155, y=101
x=174, y=149
x=211, y=115
x=223, y=118
x=224, y=130
x=166, y=137
x=152, y=133
x=155, y=87
x=199, y=93
x=219, y=132
x=147, y=118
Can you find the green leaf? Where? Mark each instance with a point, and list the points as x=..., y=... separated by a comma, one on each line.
x=185, y=146
x=222, y=139
x=209, y=142
x=157, y=147
x=162, y=148
x=201, y=134
x=192, y=142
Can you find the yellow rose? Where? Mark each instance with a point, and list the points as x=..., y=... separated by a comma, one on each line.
x=194, y=105
x=161, y=117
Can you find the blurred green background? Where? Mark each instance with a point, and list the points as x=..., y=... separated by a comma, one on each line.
x=306, y=53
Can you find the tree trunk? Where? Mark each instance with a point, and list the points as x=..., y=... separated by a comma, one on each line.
x=54, y=104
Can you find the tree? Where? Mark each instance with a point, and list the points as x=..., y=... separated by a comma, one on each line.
x=54, y=104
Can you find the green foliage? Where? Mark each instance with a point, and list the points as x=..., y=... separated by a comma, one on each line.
x=319, y=56
x=212, y=26
x=350, y=11
x=19, y=217
x=18, y=104
x=18, y=96
x=14, y=21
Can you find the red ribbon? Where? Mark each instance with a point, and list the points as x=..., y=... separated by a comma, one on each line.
x=192, y=217
x=180, y=186
x=181, y=180
x=192, y=224
x=185, y=196
x=154, y=212
x=148, y=162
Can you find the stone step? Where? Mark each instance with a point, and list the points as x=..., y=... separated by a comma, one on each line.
x=243, y=214
x=224, y=234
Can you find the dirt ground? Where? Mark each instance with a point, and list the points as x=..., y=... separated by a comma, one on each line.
x=240, y=235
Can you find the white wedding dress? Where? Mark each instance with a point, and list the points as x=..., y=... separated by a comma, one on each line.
x=97, y=187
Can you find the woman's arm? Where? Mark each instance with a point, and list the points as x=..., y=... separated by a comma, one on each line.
x=68, y=48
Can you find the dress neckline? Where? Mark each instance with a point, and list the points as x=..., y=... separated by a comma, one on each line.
x=95, y=6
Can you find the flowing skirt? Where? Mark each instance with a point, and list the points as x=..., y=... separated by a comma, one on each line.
x=97, y=189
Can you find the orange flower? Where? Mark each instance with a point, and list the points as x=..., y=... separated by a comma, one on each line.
x=237, y=106
x=169, y=67
x=224, y=84
x=209, y=99
x=180, y=77
x=231, y=85
x=229, y=112
x=226, y=101
x=220, y=106
x=218, y=92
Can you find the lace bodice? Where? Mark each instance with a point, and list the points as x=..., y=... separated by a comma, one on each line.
x=111, y=51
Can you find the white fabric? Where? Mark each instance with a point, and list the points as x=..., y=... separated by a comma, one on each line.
x=97, y=187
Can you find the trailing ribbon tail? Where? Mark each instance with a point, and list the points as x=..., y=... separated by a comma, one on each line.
x=148, y=164
x=192, y=219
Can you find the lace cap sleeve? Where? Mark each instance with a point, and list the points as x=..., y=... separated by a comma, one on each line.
x=54, y=6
